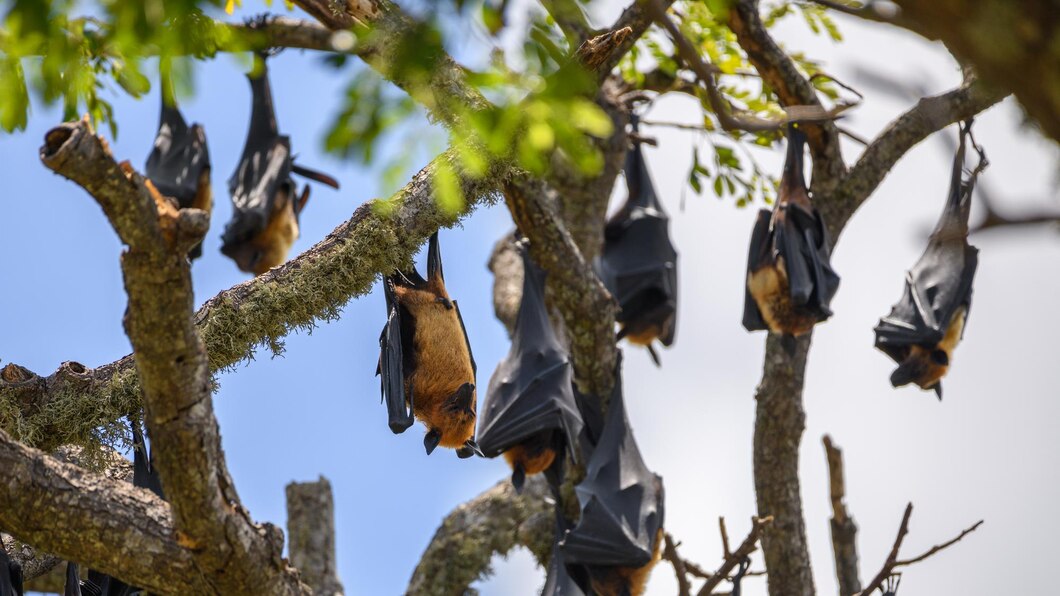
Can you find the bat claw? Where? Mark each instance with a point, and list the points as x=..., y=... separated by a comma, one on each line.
x=431, y=440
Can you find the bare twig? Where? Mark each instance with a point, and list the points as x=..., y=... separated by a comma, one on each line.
x=684, y=587
x=746, y=547
x=724, y=538
x=893, y=562
x=844, y=530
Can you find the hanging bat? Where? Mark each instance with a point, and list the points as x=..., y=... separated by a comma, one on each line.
x=558, y=581
x=619, y=534
x=639, y=263
x=925, y=326
x=10, y=575
x=265, y=202
x=426, y=368
x=179, y=164
x=790, y=281
x=530, y=414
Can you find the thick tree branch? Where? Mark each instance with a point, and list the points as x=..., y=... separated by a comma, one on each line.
x=311, y=535
x=78, y=515
x=230, y=552
x=494, y=522
x=844, y=530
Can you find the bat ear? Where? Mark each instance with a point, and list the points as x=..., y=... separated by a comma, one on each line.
x=434, y=259
x=518, y=478
x=431, y=440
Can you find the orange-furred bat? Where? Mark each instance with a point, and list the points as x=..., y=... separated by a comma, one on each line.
x=926, y=325
x=790, y=281
x=425, y=366
x=639, y=262
x=530, y=413
x=266, y=203
x=179, y=163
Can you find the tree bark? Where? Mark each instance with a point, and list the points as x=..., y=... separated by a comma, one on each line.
x=311, y=535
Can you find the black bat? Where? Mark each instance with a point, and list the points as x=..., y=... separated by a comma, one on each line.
x=925, y=326
x=619, y=534
x=10, y=575
x=73, y=580
x=265, y=202
x=790, y=281
x=144, y=476
x=530, y=413
x=639, y=263
x=558, y=581
x=179, y=164
x=426, y=368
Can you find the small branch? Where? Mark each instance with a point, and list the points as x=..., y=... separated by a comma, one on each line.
x=311, y=535
x=571, y=20
x=893, y=562
x=724, y=538
x=844, y=530
x=494, y=522
x=684, y=587
x=732, y=560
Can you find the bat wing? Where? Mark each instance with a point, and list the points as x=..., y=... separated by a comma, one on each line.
x=178, y=158
x=801, y=239
x=941, y=281
x=144, y=473
x=757, y=255
x=10, y=575
x=639, y=261
x=559, y=582
x=392, y=362
x=73, y=580
x=621, y=500
x=531, y=390
x=474, y=367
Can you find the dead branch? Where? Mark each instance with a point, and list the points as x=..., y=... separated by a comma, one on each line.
x=733, y=559
x=311, y=535
x=893, y=562
x=684, y=587
x=844, y=530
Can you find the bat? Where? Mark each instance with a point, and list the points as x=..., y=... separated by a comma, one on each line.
x=426, y=369
x=737, y=577
x=618, y=537
x=10, y=575
x=144, y=476
x=928, y=322
x=790, y=281
x=558, y=581
x=73, y=580
x=530, y=413
x=266, y=204
x=179, y=163
x=639, y=263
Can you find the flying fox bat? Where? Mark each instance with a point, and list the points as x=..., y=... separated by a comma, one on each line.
x=265, y=200
x=925, y=326
x=10, y=575
x=426, y=368
x=179, y=164
x=619, y=534
x=639, y=263
x=559, y=581
x=790, y=281
x=530, y=414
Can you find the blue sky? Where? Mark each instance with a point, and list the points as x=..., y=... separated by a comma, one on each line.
x=988, y=451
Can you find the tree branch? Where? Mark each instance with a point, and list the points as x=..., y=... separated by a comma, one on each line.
x=311, y=535
x=230, y=551
x=748, y=546
x=929, y=115
x=844, y=530
x=78, y=515
x=893, y=562
x=492, y=523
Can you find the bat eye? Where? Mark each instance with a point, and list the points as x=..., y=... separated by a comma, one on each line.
x=940, y=357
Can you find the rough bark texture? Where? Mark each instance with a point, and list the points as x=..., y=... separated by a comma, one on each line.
x=1022, y=54
x=231, y=554
x=507, y=268
x=779, y=422
x=494, y=522
x=311, y=535
x=78, y=515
